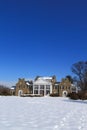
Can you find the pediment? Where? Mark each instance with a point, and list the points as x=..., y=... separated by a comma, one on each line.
x=41, y=81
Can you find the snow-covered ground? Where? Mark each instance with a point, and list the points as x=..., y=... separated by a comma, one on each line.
x=44, y=113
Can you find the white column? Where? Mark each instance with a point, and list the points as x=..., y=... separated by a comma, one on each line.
x=44, y=90
x=50, y=89
x=38, y=89
x=33, y=89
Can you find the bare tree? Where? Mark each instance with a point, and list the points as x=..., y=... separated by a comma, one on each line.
x=4, y=90
x=69, y=77
x=80, y=70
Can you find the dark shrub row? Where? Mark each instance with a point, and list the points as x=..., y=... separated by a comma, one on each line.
x=31, y=95
x=73, y=96
x=54, y=95
x=4, y=91
x=80, y=95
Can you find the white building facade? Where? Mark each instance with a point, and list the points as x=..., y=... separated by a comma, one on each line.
x=42, y=86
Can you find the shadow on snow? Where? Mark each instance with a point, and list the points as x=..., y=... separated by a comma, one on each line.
x=76, y=101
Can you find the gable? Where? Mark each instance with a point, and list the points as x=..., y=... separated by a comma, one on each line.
x=41, y=81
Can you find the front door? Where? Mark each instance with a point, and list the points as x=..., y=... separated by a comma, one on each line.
x=64, y=93
x=20, y=92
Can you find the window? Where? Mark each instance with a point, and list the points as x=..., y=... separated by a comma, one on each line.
x=69, y=87
x=42, y=92
x=41, y=86
x=36, y=87
x=47, y=86
x=28, y=87
x=24, y=86
x=19, y=87
x=61, y=87
x=35, y=91
x=47, y=92
x=56, y=87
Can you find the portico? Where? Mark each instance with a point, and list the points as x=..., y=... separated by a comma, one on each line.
x=42, y=87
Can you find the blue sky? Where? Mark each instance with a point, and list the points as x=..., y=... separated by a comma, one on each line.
x=41, y=37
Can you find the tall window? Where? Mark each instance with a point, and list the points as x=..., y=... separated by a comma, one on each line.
x=41, y=86
x=47, y=92
x=36, y=87
x=69, y=87
x=47, y=89
x=19, y=87
x=56, y=87
x=62, y=87
x=47, y=86
x=35, y=91
x=42, y=92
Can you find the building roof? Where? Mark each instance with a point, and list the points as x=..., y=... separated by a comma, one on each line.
x=42, y=81
x=13, y=87
x=45, y=78
x=57, y=83
x=29, y=82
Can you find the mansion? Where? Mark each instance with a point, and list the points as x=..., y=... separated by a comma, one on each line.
x=44, y=86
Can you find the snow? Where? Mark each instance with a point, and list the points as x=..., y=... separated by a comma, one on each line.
x=45, y=78
x=42, y=82
x=27, y=83
x=42, y=113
